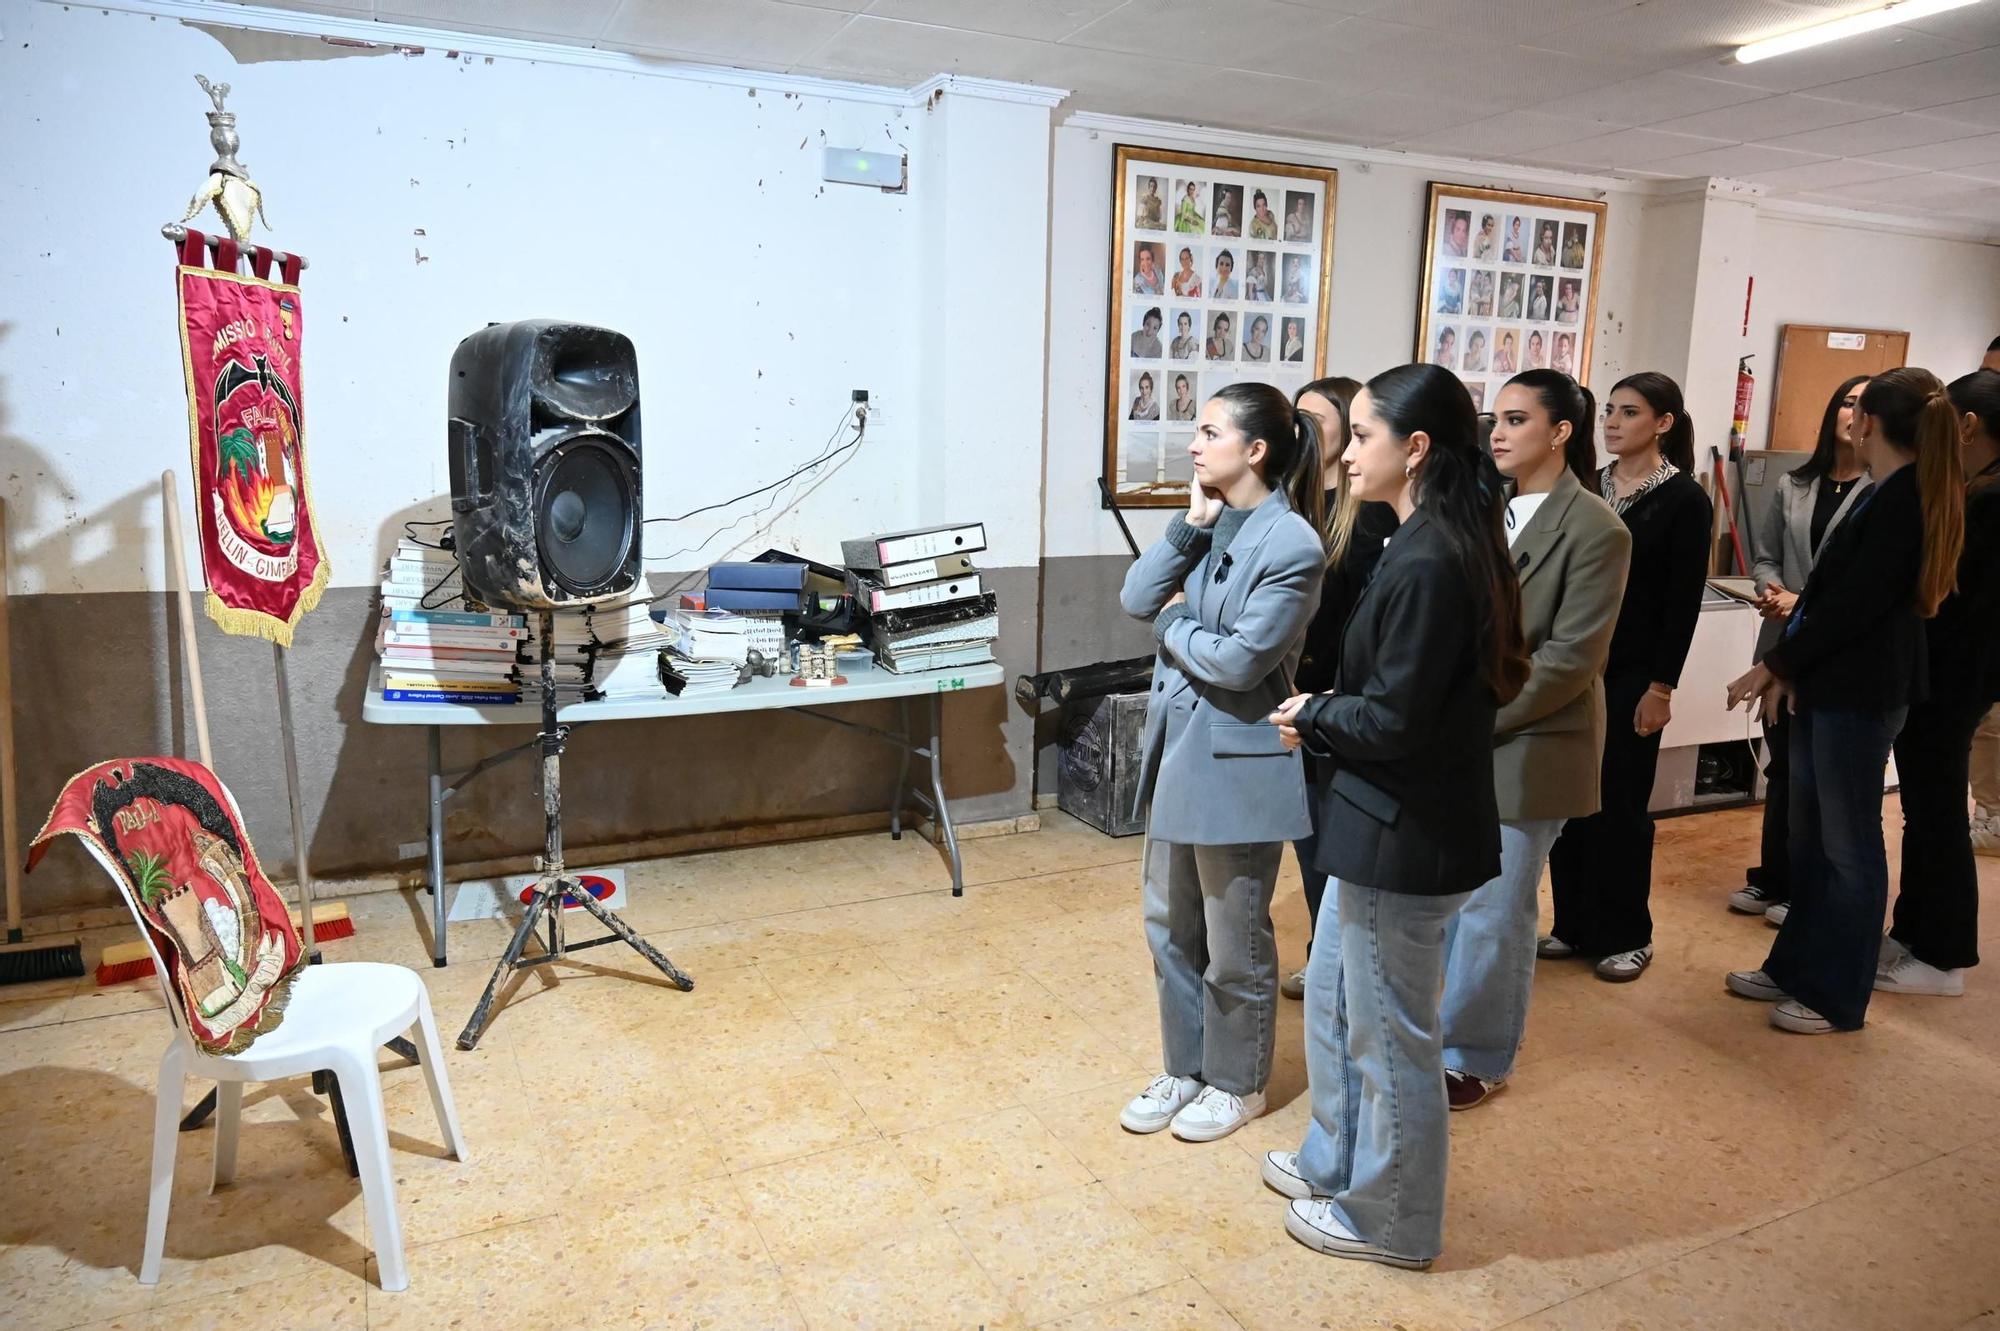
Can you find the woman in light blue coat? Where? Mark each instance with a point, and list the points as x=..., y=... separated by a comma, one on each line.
x=1230, y=589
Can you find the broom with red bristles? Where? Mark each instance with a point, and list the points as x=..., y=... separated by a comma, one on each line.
x=134, y=961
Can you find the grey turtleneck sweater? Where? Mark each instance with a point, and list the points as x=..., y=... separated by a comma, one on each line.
x=1189, y=539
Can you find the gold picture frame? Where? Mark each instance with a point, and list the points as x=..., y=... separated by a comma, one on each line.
x=1190, y=235
x=1493, y=305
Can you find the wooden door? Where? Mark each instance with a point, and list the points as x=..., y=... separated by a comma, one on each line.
x=1813, y=359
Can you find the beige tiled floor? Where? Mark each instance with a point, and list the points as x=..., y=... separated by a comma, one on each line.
x=881, y=1107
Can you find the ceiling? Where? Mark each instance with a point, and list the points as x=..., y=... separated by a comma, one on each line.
x=1903, y=121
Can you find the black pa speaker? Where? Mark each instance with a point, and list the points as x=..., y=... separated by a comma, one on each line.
x=544, y=444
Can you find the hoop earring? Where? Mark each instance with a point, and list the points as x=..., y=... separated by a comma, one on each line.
x=1409, y=472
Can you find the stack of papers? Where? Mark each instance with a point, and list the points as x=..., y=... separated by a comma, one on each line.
x=685, y=677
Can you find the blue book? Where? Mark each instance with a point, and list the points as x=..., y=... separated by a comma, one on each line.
x=757, y=577
x=742, y=598
x=439, y=695
x=460, y=618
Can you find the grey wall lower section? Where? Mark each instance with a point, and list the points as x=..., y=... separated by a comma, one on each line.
x=100, y=676
x=1082, y=624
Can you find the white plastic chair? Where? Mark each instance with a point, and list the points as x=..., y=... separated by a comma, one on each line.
x=339, y=1015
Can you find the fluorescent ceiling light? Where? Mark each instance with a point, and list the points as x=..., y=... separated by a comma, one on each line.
x=1904, y=11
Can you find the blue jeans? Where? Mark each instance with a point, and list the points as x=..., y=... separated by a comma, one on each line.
x=1307, y=849
x=1826, y=954
x=1215, y=961
x=1489, y=946
x=1377, y=1143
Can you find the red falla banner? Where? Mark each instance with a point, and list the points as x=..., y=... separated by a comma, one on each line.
x=240, y=338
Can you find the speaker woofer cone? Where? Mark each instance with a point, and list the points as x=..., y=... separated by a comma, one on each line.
x=585, y=499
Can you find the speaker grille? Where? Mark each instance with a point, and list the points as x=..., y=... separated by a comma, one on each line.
x=585, y=502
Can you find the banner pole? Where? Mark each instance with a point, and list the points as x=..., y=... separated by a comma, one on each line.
x=307, y=940
x=170, y=503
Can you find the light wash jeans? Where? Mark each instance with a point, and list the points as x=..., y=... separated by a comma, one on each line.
x=1215, y=960
x=1377, y=1143
x=1489, y=972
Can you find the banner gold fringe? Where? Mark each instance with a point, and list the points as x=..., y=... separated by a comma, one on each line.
x=256, y=624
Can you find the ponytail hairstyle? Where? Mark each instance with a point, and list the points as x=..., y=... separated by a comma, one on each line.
x=1978, y=395
x=1663, y=395
x=1291, y=444
x=1337, y=529
x=1459, y=488
x=1566, y=400
x=1827, y=448
x=1917, y=418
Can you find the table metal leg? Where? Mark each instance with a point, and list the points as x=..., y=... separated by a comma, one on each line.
x=902, y=769
x=939, y=809
x=435, y=839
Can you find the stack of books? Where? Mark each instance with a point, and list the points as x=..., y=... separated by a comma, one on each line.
x=927, y=608
x=423, y=577
x=706, y=653
x=462, y=656
x=628, y=643
x=575, y=658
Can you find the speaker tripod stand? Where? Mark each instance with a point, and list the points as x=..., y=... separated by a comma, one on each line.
x=556, y=885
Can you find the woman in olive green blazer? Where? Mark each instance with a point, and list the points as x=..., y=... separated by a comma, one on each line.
x=1572, y=553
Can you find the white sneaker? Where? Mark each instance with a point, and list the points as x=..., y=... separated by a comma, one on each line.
x=1550, y=948
x=1294, y=985
x=1892, y=952
x=1755, y=984
x=1215, y=1114
x=1621, y=967
x=1752, y=900
x=1315, y=1224
x=1794, y=1016
x=1281, y=1174
x=1986, y=831
x=1907, y=975
x=1155, y=1107
x=1775, y=917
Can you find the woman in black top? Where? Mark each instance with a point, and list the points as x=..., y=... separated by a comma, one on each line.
x=1935, y=937
x=1601, y=868
x=1354, y=534
x=1409, y=824
x=1851, y=662
x=1804, y=508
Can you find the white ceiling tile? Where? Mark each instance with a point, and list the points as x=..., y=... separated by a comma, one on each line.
x=1232, y=34
x=1734, y=160
x=1974, y=111
x=580, y=21
x=1045, y=20
x=1672, y=35
x=1866, y=138
x=1629, y=147
x=1954, y=155
x=1920, y=87
x=1512, y=21
x=1826, y=175
x=1768, y=118
x=1870, y=53
x=1505, y=134
x=1411, y=60
x=759, y=33
x=1914, y=189
x=1978, y=25
x=1650, y=98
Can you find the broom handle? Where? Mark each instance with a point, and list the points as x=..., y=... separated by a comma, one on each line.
x=170, y=500
x=9, y=809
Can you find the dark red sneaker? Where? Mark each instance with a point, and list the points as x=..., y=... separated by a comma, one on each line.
x=1462, y=1090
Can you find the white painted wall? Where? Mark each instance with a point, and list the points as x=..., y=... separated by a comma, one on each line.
x=1944, y=293
x=1378, y=231
x=433, y=195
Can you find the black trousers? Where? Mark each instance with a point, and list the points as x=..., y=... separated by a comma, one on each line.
x=1774, y=861
x=1601, y=868
x=1937, y=906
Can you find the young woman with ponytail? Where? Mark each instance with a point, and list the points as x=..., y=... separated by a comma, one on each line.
x=1849, y=664
x=1354, y=532
x=1601, y=867
x=1571, y=553
x=1935, y=937
x=1230, y=590
x=1408, y=824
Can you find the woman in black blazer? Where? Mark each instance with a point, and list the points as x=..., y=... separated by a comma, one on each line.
x=1408, y=821
x=1935, y=937
x=1355, y=532
x=1850, y=663
x=1601, y=867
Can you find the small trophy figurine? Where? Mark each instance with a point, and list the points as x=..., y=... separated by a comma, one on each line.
x=229, y=187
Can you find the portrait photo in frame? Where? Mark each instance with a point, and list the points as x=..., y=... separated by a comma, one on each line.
x=1240, y=254
x=1509, y=284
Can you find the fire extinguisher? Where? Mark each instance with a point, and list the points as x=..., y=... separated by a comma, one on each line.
x=1739, y=428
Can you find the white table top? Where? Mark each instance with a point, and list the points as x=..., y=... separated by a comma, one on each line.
x=758, y=695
